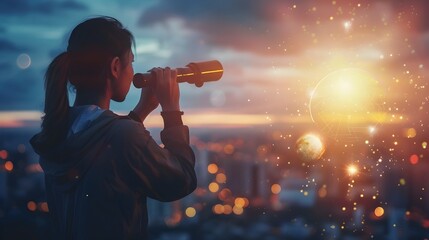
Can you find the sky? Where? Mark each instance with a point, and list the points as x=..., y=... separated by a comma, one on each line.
x=359, y=63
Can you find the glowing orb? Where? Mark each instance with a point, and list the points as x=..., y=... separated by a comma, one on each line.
x=414, y=159
x=310, y=147
x=190, y=212
x=379, y=212
x=347, y=25
x=346, y=103
x=352, y=170
x=23, y=61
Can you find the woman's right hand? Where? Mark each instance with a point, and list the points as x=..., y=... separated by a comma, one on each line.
x=166, y=88
x=147, y=103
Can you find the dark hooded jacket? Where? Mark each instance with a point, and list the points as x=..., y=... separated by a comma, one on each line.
x=98, y=179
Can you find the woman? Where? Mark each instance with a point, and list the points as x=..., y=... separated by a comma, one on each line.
x=100, y=167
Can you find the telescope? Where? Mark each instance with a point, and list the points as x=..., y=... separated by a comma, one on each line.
x=194, y=73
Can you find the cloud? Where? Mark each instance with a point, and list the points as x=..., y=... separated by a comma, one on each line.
x=237, y=24
x=8, y=46
x=27, y=6
x=277, y=27
x=4, y=66
x=22, y=91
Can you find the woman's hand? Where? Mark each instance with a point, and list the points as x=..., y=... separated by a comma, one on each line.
x=148, y=102
x=163, y=91
x=166, y=88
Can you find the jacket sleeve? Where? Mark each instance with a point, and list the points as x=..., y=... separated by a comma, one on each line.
x=162, y=173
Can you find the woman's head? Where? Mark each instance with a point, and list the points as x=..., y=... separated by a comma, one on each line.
x=92, y=46
x=98, y=57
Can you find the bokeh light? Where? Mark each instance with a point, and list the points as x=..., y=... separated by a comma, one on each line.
x=3, y=154
x=31, y=206
x=23, y=61
x=276, y=188
x=322, y=192
x=237, y=210
x=379, y=211
x=414, y=159
x=228, y=149
x=218, y=209
x=227, y=209
x=8, y=166
x=221, y=178
x=213, y=187
x=409, y=132
x=240, y=202
x=43, y=206
x=190, y=212
x=225, y=194
x=212, y=168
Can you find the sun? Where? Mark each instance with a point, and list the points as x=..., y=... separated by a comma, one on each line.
x=346, y=102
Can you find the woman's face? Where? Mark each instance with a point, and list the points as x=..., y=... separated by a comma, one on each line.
x=125, y=77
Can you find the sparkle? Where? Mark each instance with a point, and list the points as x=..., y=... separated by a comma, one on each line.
x=347, y=25
x=352, y=170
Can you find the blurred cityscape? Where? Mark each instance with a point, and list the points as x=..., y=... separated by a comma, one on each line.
x=253, y=183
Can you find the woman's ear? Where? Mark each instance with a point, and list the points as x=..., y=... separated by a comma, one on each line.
x=115, y=67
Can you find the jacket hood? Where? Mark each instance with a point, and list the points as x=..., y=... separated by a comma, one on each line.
x=68, y=160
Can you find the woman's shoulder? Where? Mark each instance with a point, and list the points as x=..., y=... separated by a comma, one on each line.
x=125, y=127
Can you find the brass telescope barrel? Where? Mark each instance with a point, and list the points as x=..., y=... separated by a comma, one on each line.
x=194, y=73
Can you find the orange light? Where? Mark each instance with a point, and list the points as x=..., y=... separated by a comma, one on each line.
x=227, y=209
x=322, y=192
x=43, y=206
x=3, y=154
x=409, y=133
x=218, y=209
x=225, y=194
x=240, y=202
x=379, y=211
x=221, y=178
x=237, y=210
x=31, y=206
x=414, y=159
x=8, y=166
x=213, y=187
x=228, y=149
x=212, y=168
x=246, y=202
x=352, y=170
x=190, y=212
x=276, y=188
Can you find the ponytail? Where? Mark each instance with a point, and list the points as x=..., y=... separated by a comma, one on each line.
x=55, y=120
x=91, y=47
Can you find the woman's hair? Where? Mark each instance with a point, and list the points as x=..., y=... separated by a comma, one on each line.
x=86, y=65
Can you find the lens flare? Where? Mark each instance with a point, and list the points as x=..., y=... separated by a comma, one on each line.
x=352, y=170
x=347, y=102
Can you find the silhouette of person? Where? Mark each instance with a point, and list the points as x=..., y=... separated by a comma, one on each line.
x=101, y=167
